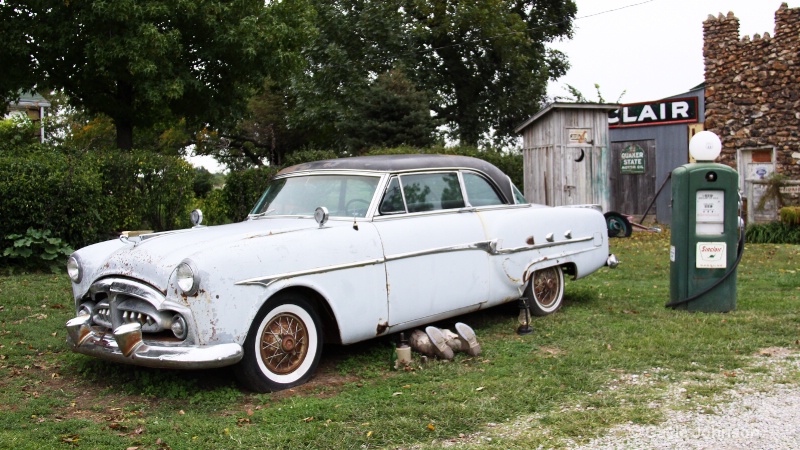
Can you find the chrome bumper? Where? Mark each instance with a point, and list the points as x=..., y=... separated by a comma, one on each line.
x=125, y=345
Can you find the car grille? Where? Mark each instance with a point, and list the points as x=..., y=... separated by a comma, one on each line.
x=116, y=302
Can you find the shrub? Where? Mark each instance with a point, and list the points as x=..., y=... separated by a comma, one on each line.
x=773, y=233
x=36, y=249
x=214, y=207
x=790, y=215
x=16, y=132
x=148, y=190
x=243, y=188
x=54, y=191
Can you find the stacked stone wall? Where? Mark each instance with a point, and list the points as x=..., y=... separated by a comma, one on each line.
x=753, y=88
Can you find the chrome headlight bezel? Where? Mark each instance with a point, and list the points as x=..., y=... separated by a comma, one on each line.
x=187, y=277
x=75, y=269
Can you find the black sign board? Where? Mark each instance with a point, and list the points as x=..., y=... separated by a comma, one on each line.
x=679, y=110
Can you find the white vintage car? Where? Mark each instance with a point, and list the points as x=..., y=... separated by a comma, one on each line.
x=335, y=251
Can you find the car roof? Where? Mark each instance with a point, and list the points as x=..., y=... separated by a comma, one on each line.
x=410, y=162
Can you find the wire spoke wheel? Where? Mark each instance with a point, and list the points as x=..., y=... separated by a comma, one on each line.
x=284, y=343
x=283, y=347
x=546, y=291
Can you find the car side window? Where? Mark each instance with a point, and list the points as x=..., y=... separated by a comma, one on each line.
x=432, y=191
x=479, y=191
x=392, y=202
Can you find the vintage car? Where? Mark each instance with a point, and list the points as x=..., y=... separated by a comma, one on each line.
x=335, y=251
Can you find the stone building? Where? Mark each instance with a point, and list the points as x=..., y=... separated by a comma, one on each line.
x=753, y=100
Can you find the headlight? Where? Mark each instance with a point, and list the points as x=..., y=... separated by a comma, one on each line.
x=74, y=269
x=187, y=277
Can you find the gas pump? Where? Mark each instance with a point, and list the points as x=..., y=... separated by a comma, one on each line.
x=707, y=240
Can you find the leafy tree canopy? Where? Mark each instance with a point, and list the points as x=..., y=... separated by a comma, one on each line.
x=484, y=65
x=160, y=61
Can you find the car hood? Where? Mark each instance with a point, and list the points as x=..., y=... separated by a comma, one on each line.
x=152, y=258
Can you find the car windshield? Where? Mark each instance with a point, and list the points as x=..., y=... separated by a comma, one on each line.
x=343, y=195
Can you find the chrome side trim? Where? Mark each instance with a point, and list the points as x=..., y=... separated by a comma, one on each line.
x=506, y=251
x=489, y=247
x=268, y=280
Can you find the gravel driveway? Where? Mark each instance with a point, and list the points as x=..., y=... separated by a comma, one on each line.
x=760, y=413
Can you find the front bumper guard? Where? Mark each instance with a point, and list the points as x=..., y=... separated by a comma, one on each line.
x=125, y=345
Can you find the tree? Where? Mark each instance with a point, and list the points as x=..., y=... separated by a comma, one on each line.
x=485, y=65
x=488, y=60
x=391, y=114
x=15, y=52
x=160, y=61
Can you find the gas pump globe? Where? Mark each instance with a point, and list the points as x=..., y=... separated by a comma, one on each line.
x=705, y=230
x=705, y=146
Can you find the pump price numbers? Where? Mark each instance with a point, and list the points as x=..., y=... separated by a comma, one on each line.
x=709, y=212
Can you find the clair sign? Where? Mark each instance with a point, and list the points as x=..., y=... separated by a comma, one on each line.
x=679, y=110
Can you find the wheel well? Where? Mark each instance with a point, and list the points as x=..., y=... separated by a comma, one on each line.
x=330, y=328
x=570, y=269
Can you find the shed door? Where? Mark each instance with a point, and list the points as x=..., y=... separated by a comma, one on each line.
x=633, y=176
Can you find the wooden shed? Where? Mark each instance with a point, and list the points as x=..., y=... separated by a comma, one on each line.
x=566, y=151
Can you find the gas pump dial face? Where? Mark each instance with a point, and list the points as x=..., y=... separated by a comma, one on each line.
x=710, y=212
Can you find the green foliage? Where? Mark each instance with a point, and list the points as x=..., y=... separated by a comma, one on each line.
x=773, y=233
x=143, y=63
x=52, y=190
x=790, y=215
x=243, y=188
x=214, y=207
x=203, y=182
x=482, y=66
x=391, y=113
x=84, y=197
x=308, y=155
x=16, y=131
x=36, y=249
x=149, y=191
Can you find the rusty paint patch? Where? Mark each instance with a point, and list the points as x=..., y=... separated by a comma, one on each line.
x=530, y=241
x=382, y=327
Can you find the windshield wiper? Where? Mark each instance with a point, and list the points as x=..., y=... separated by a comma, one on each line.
x=262, y=214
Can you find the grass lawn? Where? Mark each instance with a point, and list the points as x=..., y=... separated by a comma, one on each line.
x=607, y=357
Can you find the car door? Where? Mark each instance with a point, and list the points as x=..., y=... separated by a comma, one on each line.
x=434, y=246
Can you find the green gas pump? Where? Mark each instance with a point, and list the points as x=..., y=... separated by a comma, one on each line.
x=707, y=231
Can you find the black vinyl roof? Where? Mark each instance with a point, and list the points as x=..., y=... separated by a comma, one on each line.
x=410, y=162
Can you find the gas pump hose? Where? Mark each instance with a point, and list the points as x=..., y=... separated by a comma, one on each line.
x=730, y=271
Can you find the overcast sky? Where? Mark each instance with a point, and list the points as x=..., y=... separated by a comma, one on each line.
x=649, y=49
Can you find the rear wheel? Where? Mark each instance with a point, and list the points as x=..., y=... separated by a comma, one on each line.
x=545, y=291
x=283, y=346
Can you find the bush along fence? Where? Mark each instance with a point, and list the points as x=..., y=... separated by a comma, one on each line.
x=56, y=199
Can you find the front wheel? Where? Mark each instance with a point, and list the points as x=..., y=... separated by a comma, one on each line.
x=545, y=291
x=283, y=346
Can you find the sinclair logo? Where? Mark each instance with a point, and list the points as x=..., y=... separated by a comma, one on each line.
x=711, y=255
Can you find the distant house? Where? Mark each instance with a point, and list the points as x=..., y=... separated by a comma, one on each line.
x=30, y=105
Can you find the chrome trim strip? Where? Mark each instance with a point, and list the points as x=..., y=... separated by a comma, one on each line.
x=489, y=247
x=267, y=281
x=506, y=251
x=486, y=246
